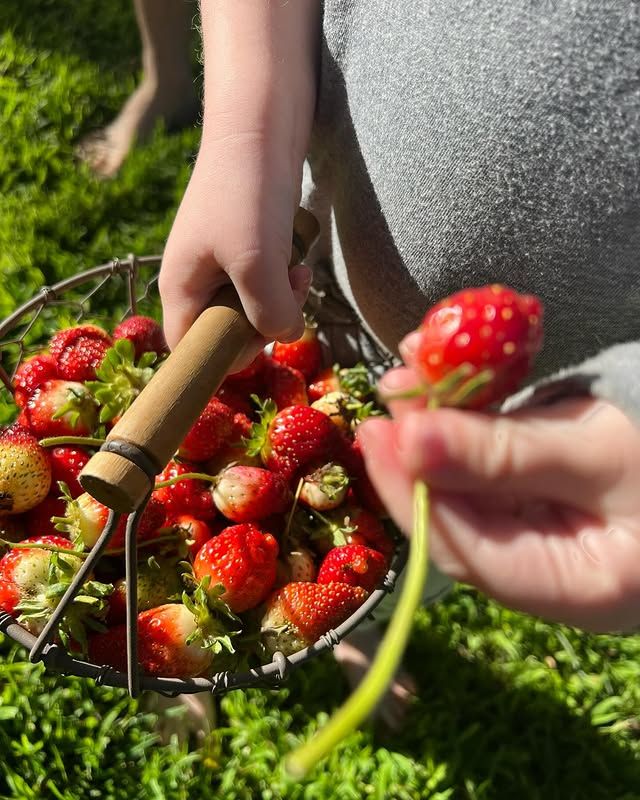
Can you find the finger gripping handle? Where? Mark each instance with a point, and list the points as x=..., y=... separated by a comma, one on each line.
x=147, y=436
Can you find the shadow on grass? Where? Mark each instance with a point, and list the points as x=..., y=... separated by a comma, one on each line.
x=498, y=741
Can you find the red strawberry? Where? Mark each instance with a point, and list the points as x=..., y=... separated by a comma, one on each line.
x=251, y=373
x=236, y=400
x=210, y=432
x=305, y=354
x=195, y=531
x=85, y=519
x=158, y=583
x=299, y=613
x=24, y=573
x=144, y=333
x=369, y=531
x=353, y=381
x=292, y=438
x=241, y=559
x=66, y=465
x=285, y=385
x=354, y=564
x=25, y=471
x=491, y=330
x=361, y=486
x=79, y=351
x=31, y=374
x=352, y=525
x=60, y=408
x=246, y=494
x=173, y=642
x=33, y=580
x=39, y=521
x=189, y=496
x=325, y=382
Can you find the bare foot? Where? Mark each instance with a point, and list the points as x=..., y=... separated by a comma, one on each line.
x=186, y=717
x=151, y=102
x=355, y=655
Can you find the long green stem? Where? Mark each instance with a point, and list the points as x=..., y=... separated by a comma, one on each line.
x=186, y=476
x=60, y=441
x=390, y=652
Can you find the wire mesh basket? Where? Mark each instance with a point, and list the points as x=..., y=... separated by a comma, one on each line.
x=125, y=287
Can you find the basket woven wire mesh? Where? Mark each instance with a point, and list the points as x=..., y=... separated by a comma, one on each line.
x=128, y=286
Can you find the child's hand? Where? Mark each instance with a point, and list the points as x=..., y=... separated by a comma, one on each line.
x=236, y=228
x=235, y=220
x=539, y=508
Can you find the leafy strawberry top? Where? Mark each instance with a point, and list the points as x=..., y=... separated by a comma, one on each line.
x=120, y=379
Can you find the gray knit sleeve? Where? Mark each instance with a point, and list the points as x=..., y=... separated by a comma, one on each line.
x=613, y=375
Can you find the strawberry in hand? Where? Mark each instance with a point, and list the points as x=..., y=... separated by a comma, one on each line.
x=485, y=339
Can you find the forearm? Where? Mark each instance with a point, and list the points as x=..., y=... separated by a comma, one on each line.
x=260, y=72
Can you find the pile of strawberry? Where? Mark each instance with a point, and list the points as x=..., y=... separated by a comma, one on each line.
x=263, y=531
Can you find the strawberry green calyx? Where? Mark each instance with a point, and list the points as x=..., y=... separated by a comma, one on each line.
x=325, y=488
x=335, y=529
x=355, y=381
x=120, y=379
x=87, y=611
x=216, y=624
x=256, y=443
x=79, y=409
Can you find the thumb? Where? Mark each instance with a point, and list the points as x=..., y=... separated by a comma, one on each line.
x=550, y=453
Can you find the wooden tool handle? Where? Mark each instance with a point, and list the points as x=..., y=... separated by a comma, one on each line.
x=149, y=433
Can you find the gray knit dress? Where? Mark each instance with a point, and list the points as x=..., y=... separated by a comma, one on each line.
x=463, y=142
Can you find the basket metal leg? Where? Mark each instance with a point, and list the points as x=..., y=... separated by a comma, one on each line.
x=131, y=581
x=49, y=630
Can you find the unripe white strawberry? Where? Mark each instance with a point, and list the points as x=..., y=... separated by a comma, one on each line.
x=25, y=471
x=325, y=488
x=336, y=405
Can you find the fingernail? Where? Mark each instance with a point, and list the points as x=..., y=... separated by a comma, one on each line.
x=409, y=345
x=300, y=277
x=394, y=379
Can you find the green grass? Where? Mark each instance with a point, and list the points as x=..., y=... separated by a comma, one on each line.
x=509, y=707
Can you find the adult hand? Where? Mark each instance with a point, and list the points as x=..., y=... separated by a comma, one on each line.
x=539, y=508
